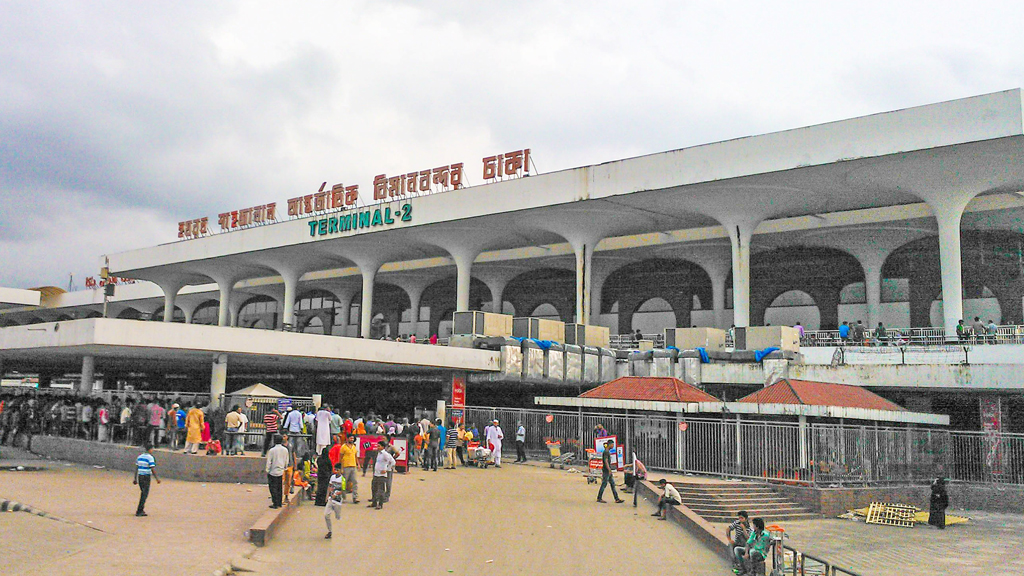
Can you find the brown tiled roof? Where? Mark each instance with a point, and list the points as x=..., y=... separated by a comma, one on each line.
x=788, y=391
x=649, y=388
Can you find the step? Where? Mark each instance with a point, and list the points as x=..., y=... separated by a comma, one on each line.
x=733, y=497
x=736, y=491
x=736, y=507
x=784, y=509
x=769, y=518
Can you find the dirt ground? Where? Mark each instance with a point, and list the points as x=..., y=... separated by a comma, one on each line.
x=520, y=519
x=191, y=529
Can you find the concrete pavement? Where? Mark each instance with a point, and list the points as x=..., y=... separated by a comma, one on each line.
x=192, y=528
x=514, y=520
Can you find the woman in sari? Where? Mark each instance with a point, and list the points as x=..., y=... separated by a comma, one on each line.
x=939, y=501
x=324, y=469
x=194, y=430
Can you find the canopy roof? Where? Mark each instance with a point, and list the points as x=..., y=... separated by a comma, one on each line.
x=656, y=389
x=258, y=390
x=804, y=392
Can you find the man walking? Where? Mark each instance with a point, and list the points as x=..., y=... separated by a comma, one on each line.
x=520, y=443
x=494, y=437
x=607, y=479
x=335, y=494
x=433, y=445
x=145, y=468
x=347, y=459
x=233, y=422
x=271, y=424
x=293, y=425
x=450, y=446
x=323, y=428
x=277, y=461
x=383, y=464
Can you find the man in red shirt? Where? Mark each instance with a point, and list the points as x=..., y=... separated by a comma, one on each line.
x=271, y=424
x=346, y=426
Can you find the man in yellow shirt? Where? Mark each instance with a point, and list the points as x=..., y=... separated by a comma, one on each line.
x=348, y=468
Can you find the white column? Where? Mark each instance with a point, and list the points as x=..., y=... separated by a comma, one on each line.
x=464, y=270
x=218, y=378
x=189, y=311
x=291, y=286
x=234, y=313
x=718, y=297
x=414, y=308
x=366, y=307
x=584, y=275
x=88, y=375
x=224, y=316
x=170, y=293
x=739, y=237
x=873, y=290
x=950, y=263
x=497, y=288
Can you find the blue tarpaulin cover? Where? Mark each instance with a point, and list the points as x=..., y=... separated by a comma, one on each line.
x=760, y=354
x=542, y=344
x=703, y=355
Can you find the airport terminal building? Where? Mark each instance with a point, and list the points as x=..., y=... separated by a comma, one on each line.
x=913, y=219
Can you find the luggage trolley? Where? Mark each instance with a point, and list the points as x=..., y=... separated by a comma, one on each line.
x=594, y=466
x=557, y=458
x=778, y=550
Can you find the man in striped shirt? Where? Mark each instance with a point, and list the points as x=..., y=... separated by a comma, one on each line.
x=271, y=424
x=145, y=468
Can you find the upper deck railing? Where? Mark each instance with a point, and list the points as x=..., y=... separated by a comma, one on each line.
x=900, y=337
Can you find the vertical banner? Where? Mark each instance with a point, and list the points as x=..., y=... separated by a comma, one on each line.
x=992, y=425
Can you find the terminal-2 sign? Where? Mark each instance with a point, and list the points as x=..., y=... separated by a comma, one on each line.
x=374, y=217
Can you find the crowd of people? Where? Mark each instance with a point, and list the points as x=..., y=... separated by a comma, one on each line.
x=327, y=469
x=132, y=420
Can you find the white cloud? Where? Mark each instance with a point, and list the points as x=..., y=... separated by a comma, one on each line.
x=147, y=116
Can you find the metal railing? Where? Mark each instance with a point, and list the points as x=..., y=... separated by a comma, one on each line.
x=818, y=454
x=1007, y=334
x=631, y=342
x=802, y=564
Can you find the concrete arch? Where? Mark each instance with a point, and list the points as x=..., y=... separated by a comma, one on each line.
x=648, y=324
x=178, y=315
x=439, y=297
x=674, y=280
x=389, y=301
x=990, y=258
x=259, y=311
x=819, y=271
x=555, y=286
x=206, y=313
x=130, y=313
x=809, y=318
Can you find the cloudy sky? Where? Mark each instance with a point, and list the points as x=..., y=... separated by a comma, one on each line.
x=118, y=119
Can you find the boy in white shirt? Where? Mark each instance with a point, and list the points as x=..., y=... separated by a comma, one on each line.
x=335, y=494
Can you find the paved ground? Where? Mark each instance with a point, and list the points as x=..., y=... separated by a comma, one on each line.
x=192, y=528
x=984, y=546
x=525, y=519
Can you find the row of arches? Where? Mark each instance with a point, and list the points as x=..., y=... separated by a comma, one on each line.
x=816, y=280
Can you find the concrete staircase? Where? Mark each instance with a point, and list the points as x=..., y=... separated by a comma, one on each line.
x=718, y=502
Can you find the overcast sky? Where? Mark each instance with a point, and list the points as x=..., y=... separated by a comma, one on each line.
x=117, y=120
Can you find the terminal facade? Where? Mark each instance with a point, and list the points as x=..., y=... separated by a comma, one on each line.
x=912, y=218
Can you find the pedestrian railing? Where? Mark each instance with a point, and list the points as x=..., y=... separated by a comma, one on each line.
x=813, y=454
x=893, y=337
x=803, y=564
